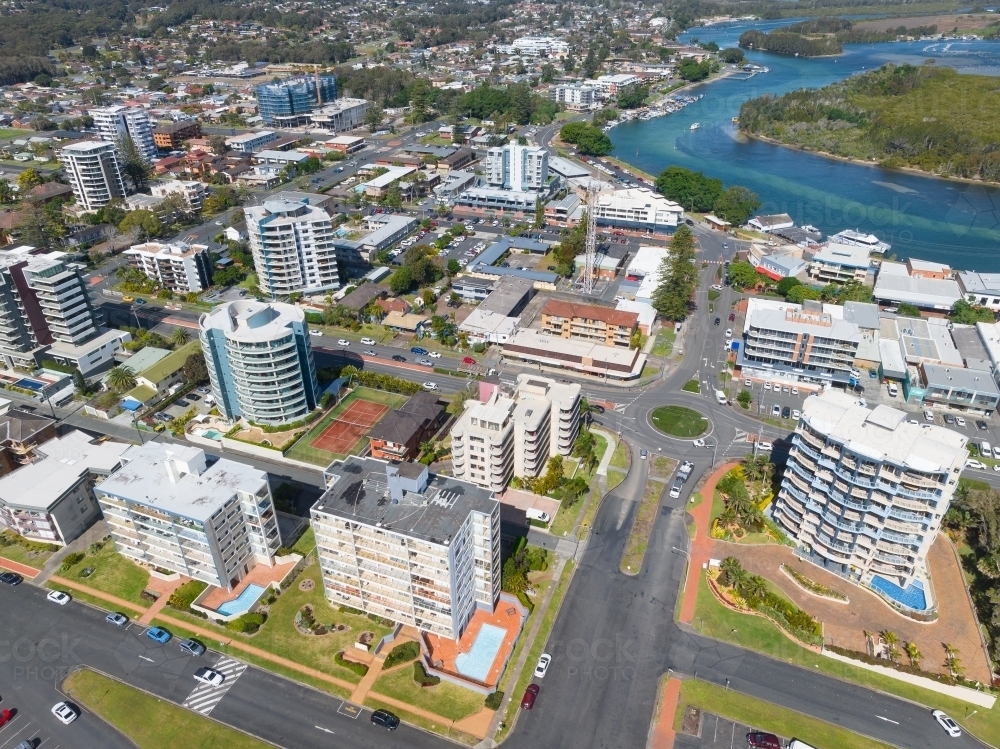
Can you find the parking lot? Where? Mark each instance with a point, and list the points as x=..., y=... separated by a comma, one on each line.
x=712, y=731
x=195, y=399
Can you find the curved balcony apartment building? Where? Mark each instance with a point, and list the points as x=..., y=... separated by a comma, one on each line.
x=864, y=491
x=260, y=361
x=293, y=250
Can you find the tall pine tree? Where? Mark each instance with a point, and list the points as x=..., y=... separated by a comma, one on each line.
x=678, y=276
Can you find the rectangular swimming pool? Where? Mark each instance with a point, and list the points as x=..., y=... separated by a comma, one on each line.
x=477, y=662
x=911, y=596
x=30, y=384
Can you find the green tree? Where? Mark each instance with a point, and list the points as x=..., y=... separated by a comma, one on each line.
x=401, y=280
x=28, y=179
x=195, y=369
x=785, y=284
x=454, y=266
x=122, y=378
x=908, y=310
x=678, y=276
x=394, y=196
x=743, y=275
x=179, y=337
x=6, y=193
x=736, y=205
x=144, y=223
x=968, y=314
x=135, y=168
x=693, y=190
x=633, y=97
x=797, y=294
x=374, y=116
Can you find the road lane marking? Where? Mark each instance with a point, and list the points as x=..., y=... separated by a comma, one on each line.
x=325, y=730
x=887, y=720
x=147, y=659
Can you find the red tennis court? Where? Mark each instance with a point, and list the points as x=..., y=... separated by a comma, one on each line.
x=350, y=426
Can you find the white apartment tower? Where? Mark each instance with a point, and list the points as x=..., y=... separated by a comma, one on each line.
x=293, y=247
x=417, y=548
x=192, y=192
x=114, y=123
x=94, y=171
x=167, y=508
x=575, y=95
x=864, y=490
x=515, y=435
x=519, y=168
x=179, y=267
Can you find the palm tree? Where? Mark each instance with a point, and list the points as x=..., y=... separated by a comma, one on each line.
x=755, y=588
x=728, y=567
x=122, y=378
x=179, y=337
x=891, y=641
x=738, y=579
x=914, y=654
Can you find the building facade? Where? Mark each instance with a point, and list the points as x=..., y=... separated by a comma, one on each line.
x=293, y=248
x=193, y=193
x=398, y=542
x=637, y=208
x=248, y=143
x=286, y=102
x=180, y=267
x=589, y=322
x=260, y=361
x=118, y=122
x=864, y=490
x=575, y=96
x=172, y=136
x=515, y=434
x=94, y=172
x=167, y=508
x=518, y=168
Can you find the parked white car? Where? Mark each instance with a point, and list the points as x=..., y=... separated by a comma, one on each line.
x=430, y=386
x=209, y=676
x=65, y=712
x=57, y=596
x=977, y=464
x=950, y=726
x=543, y=665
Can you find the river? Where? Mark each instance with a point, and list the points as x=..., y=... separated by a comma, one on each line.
x=952, y=222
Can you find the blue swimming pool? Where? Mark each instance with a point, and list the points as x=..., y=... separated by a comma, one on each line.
x=476, y=663
x=242, y=603
x=911, y=596
x=30, y=384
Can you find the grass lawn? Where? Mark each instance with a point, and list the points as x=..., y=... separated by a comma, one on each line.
x=766, y=716
x=17, y=553
x=759, y=634
x=306, y=542
x=713, y=295
x=614, y=478
x=692, y=386
x=113, y=573
x=649, y=370
x=445, y=699
x=149, y=722
x=678, y=421
x=9, y=133
x=664, y=345
x=537, y=647
x=566, y=517
x=661, y=467
x=303, y=449
x=620, y=457
x=642, y=527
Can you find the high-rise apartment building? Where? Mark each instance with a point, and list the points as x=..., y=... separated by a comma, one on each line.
x=260, y=361
x=193, y=193
x=519, y=168
x=575, y=95
x=115, y=123
x=94, y=172
x=165, y=507
x=416, y=548
x=515, y=434
x=864, y=491
x=289, y=102
x=293, y=250
x=179, y=267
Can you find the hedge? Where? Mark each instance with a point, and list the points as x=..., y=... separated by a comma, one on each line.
x=70, y=560
x=407, y=651
x=9, y=538
x=423, y=678
x=493, y=700
x=182, y=598
x=248, y=623
x=359, y=668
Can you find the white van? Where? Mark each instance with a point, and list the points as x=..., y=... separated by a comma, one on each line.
x=984, y=449
x=720, y=397
x=797, y=744
x=534, y=514
x=893, y=390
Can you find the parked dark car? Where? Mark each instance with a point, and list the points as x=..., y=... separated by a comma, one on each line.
x=761, y=740
x=718, y=320
x=528, y=701
x=385, y=719
x=182, y=403
x=786, y=413
x=11, y=578
x=732, y=316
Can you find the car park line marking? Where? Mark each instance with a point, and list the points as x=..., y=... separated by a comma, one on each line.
x=325, y=730
x=14, y=737
x=205, y=697
x=349, y=710
x=887, y=720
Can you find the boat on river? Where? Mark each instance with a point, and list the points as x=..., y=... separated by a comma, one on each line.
x=695, y=126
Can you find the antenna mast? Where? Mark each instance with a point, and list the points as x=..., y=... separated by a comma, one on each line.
x=593, y=188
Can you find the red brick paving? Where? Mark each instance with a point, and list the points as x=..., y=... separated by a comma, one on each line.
x=21, y=569
x=663, y=732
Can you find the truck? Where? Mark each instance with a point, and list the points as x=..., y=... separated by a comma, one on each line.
x=720, y=397
x=684, y=472
x=533, y=514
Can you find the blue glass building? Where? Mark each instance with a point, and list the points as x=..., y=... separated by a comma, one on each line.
x=287, y=102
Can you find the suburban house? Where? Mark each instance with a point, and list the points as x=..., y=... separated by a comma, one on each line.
x=399, y=434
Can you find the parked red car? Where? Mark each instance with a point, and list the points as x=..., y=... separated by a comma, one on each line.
x=528, y=701
x=468, y=360
x=5, y=716
x=761, y=740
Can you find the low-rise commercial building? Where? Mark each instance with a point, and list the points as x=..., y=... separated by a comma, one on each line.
x=179, y=267
x=342, y=114
x=981, y=289
x=51, y=499
x=913, y=283
x=637, y=208
x=767, y=224
x=588, y=322
x=841, y=263
x=398, y=542
x=963, y=389
x=780, y=265
x=166, y=507
x=585, y=357
x=864, y=491
x=248, y=143
x=345, y=144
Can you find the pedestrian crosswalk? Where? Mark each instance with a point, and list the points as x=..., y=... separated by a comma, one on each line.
x=205, y=697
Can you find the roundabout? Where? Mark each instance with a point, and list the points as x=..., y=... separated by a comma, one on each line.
x=679, y=421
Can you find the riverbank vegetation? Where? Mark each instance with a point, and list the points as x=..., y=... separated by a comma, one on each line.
x=696, y=192
x=928, y=118
x=846, y=32
x=783, y=42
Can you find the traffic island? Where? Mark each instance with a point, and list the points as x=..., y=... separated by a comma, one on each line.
x=679, y=421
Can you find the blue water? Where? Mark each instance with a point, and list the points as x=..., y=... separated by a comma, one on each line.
x=942, y=220
x=476, y=663
x=242, y=603
x=212, y=434
x=912, y=596
x=30, y=384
